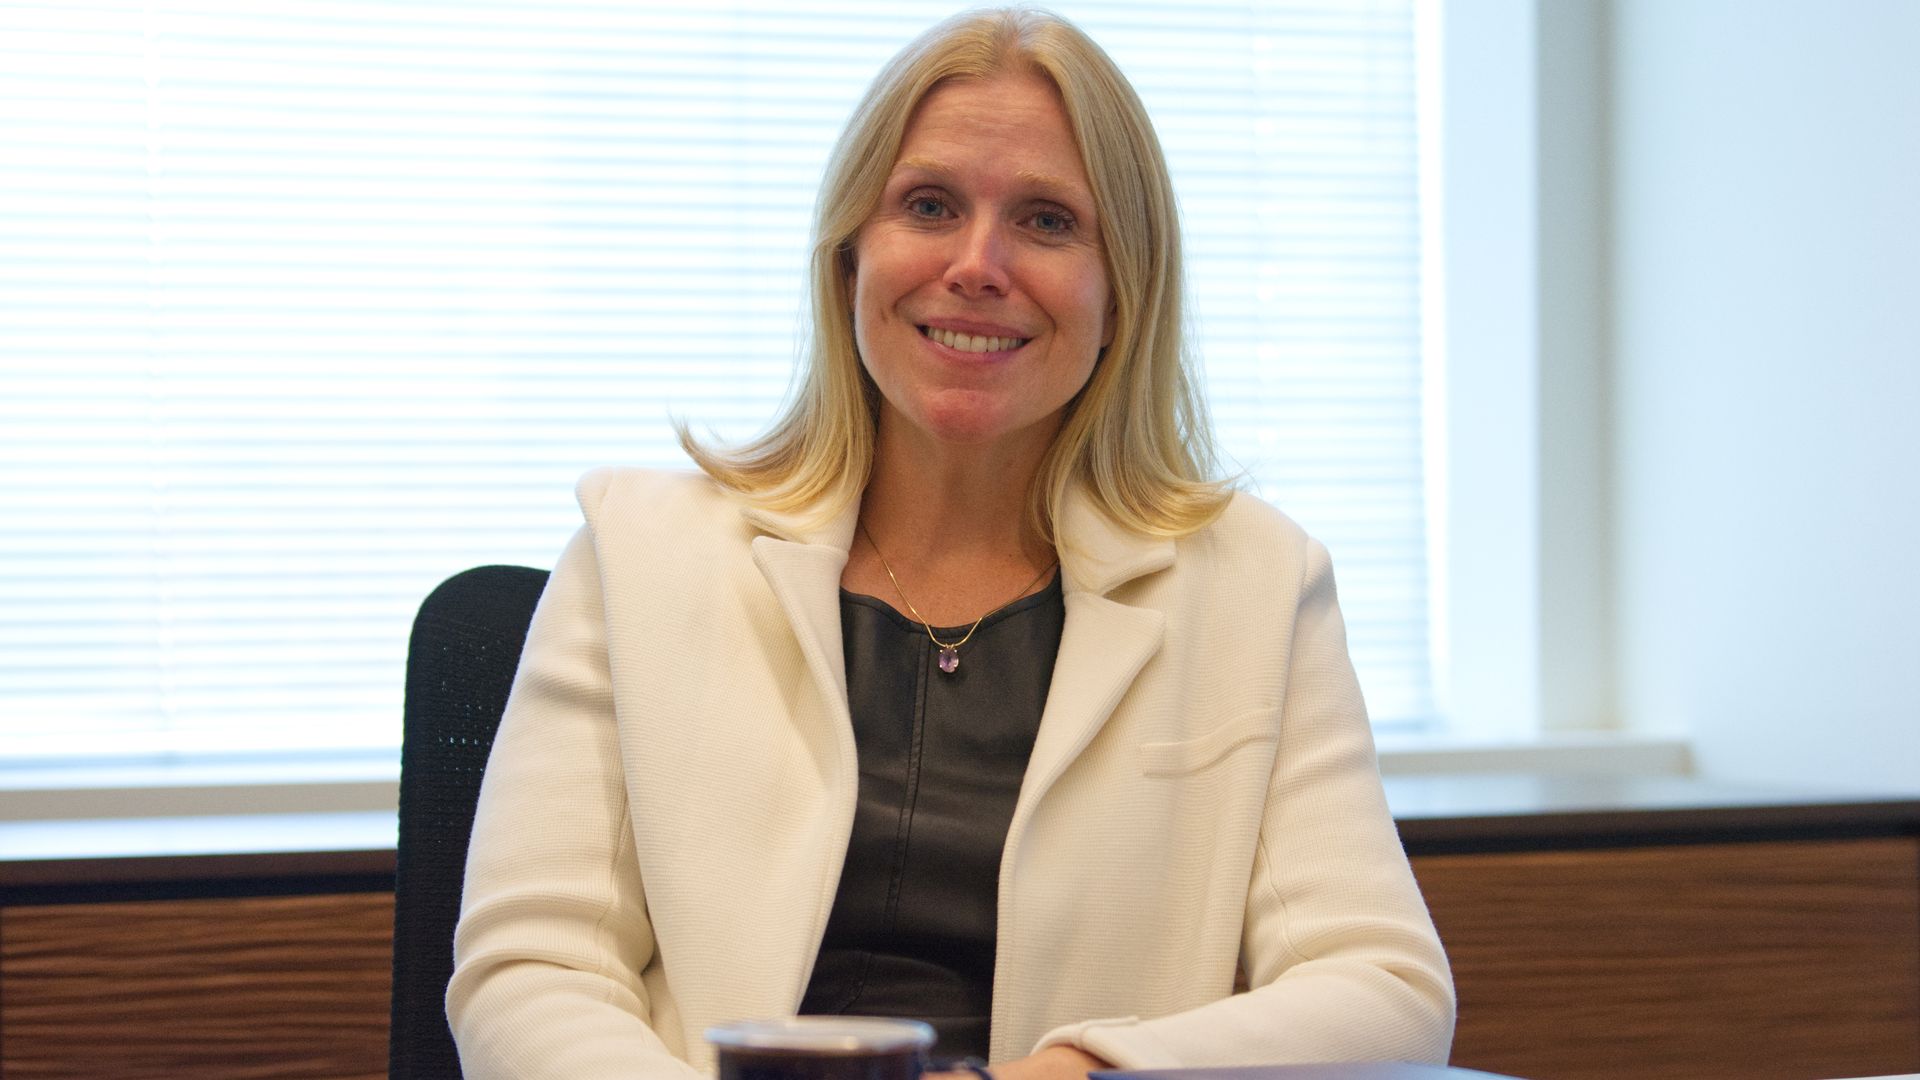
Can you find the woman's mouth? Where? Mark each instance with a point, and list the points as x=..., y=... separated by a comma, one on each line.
x=973, y=343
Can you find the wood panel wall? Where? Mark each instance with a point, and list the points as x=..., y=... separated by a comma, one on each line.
x=245, y=988
x=1782, y=959
x=1792, y=960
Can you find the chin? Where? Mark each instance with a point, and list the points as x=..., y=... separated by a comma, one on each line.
x=984, y=428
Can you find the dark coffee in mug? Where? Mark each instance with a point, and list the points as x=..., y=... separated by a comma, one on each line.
x=822, y=1048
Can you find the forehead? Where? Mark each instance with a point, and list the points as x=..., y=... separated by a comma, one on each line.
x=1012, y=123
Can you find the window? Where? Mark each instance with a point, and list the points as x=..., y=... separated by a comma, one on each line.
x=306, y=306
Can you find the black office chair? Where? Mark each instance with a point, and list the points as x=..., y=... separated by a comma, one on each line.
x=460, y=663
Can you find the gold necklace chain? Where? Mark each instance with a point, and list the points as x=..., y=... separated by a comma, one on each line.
x=949, y=651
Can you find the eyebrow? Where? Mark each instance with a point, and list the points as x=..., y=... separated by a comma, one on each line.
x=923, y=164
x=1055, y=186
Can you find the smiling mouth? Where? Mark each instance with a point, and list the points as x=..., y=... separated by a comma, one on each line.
x=972, y=342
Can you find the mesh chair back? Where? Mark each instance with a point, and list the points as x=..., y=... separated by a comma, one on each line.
x=460, y=663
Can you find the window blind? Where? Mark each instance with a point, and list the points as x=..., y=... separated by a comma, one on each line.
x=305, y=306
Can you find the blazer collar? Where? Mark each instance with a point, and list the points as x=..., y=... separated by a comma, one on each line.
x=1097, y=554
x=802, y=527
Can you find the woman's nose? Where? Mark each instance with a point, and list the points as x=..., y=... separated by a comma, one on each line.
x=979, y=262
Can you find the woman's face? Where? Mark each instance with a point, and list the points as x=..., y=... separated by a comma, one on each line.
x=980, y=296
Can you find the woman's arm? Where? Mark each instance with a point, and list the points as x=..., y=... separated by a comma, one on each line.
x=554, y=934
x=1336, y=942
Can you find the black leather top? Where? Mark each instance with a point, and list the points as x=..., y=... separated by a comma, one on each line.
x=941, y=758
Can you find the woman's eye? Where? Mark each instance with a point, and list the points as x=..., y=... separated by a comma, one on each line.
x=925, y=206
x=1052, y=221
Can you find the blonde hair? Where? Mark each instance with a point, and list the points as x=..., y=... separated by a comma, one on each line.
x=1137, y=433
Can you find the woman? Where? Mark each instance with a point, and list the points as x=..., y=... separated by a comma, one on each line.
x=964, y=693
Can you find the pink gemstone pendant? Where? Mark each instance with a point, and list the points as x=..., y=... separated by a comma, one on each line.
x=949, y=659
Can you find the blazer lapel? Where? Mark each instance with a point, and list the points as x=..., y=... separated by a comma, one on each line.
x=802, y=564
x=1102, y=648
x=1103, y=645
x=805, y=578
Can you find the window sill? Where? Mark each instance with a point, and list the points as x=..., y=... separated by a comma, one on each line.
x=138, y=858
x=228, y=821
x=1561, y=754
x=233, y=811
x=364, y=785
x=1446, y=796
x=345, y=785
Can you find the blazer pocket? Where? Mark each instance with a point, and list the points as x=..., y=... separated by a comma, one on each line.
x=1191, y=755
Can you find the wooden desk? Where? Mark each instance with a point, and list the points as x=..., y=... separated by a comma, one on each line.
x=208, y=948
x=1608, y=927
x=1597, y=928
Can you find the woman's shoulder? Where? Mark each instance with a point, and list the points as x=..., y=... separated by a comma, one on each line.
x=1253, y=523
x=637, y=501
x=1253, y=541
x=659, y=488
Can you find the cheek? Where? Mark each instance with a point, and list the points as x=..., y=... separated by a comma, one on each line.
x=865, y=272
x=1092, y=307
x=889, y=265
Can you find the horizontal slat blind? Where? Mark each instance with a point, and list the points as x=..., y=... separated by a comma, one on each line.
x=306, y=306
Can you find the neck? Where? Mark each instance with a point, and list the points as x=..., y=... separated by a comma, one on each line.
x=966, y=501
x=952, y=523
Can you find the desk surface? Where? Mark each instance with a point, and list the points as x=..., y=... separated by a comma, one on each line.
x=1443, y=813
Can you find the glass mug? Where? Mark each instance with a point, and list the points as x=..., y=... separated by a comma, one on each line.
x=822, y=1048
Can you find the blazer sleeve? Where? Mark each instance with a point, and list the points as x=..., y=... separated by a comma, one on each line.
x=1337, y=945
x=553, y=934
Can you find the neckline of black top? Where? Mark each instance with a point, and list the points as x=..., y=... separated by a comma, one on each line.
x=1053, y=592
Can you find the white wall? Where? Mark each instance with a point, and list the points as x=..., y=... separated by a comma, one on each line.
x=1764, y=340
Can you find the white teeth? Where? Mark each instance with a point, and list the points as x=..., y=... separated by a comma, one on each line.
x=973, y=342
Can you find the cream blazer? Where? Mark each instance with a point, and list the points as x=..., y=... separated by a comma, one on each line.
x=663, y=819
